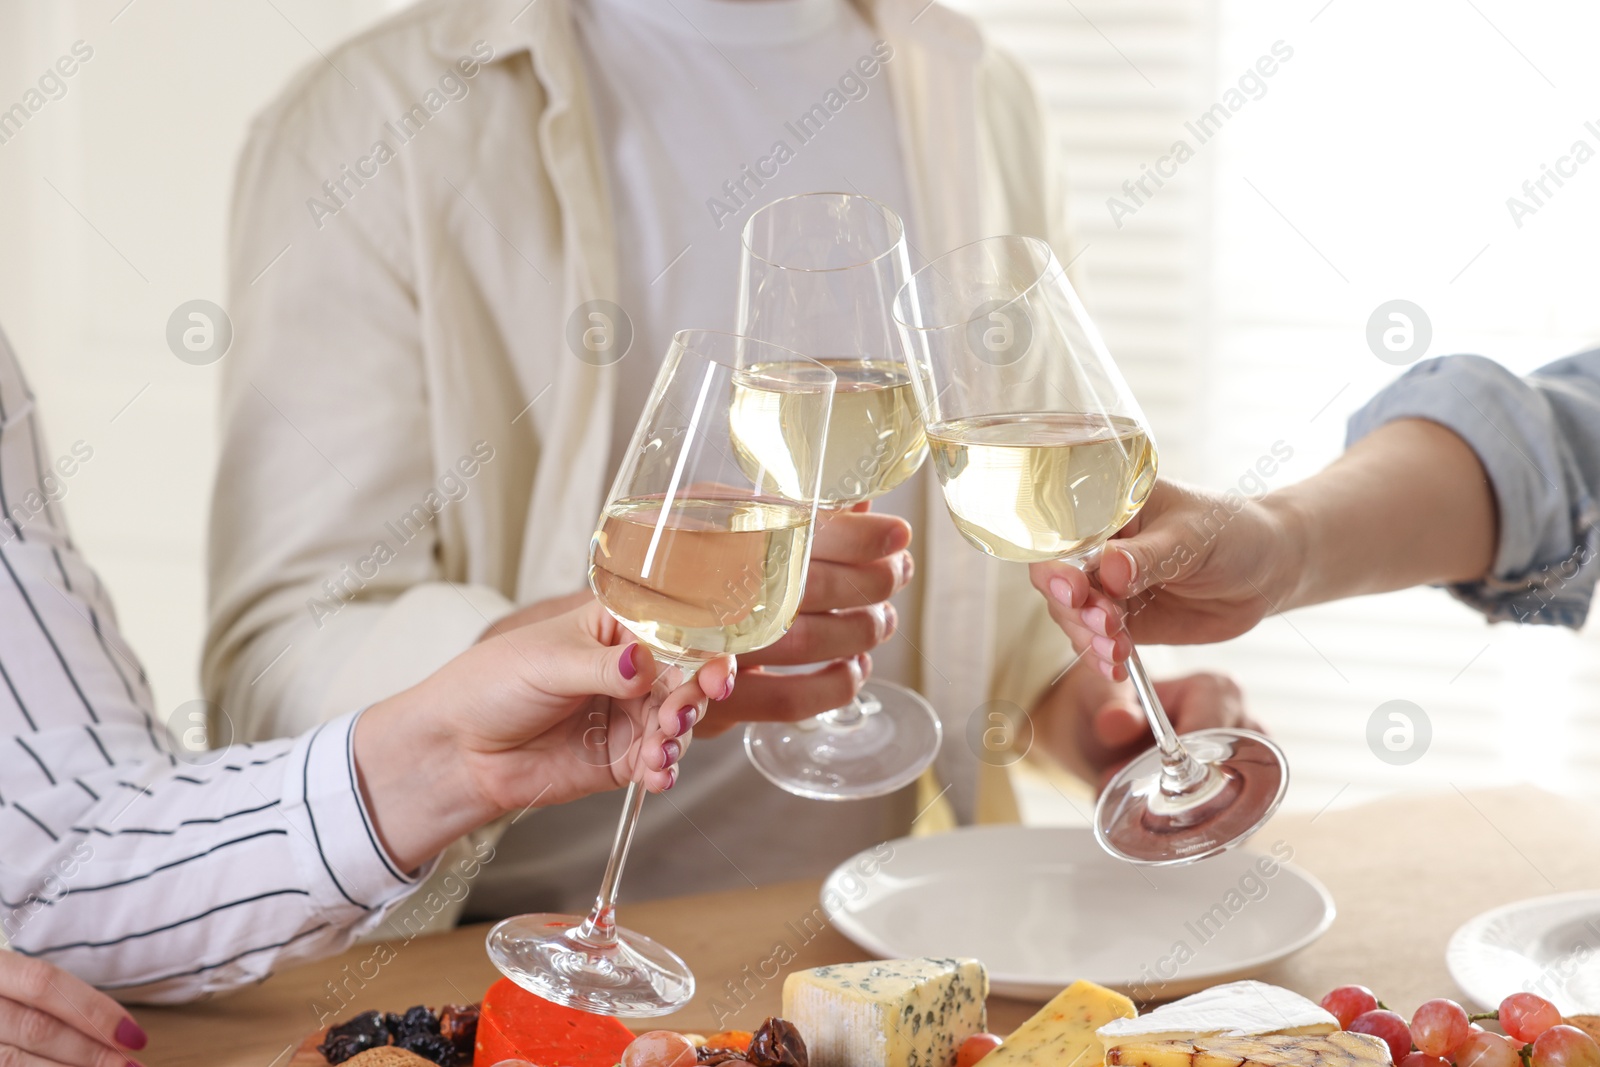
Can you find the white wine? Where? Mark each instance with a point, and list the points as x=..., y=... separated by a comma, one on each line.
x=875, y=439
x=703, y=576
x=1037, y=486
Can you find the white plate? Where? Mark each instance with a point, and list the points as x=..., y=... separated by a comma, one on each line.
x=1547, y=945
x=1042, y=907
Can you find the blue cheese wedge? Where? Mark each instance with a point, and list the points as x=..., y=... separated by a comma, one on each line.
x=1237, y=1009
x=888, y=1013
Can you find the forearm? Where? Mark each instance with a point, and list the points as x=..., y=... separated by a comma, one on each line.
x=1410, y=504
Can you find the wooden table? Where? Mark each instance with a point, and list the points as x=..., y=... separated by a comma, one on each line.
x=1404, y=872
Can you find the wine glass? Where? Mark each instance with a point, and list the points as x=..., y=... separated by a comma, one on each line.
x=697, y=558
x=818, y=274
x=1043, y=453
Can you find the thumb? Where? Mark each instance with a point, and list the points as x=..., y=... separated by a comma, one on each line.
x=1130, y=565
x=579, y=665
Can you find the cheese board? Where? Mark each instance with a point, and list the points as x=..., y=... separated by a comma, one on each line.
x=932, y=1012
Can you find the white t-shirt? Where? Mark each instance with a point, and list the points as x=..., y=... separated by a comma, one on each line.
x=693, y=100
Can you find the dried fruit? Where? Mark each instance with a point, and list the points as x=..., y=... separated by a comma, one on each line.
x=419, y=1018
x=367, y=1030
x=430, y=1046
x=459, y=1025
x=778, y=1044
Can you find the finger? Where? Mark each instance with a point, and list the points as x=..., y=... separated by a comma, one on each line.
x=1132, y=562
x=838, y=585
x=767, y=697
x=571, y=663
x=1201, y=701
x=1112, y=649
x=818, y=637
x=1117, y=725
x=15, y=1057
x=1114, y=672
x=45, y=1036
x=68, y=998
x=717, y=678
x=859, y=537
x=1060, y=582
x=1102, y=614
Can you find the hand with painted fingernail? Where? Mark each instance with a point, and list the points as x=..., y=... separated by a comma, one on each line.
x=532, y=716
x=1192, y=567
x=49, y=1018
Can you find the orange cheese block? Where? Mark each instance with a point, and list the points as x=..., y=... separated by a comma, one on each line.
x=516, y=1025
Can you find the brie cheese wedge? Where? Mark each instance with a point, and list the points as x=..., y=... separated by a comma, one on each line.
x=1237, y=1009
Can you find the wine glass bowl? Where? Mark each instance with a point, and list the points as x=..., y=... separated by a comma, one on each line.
x=1043, y=453
x=698, y=557
x=818, y=274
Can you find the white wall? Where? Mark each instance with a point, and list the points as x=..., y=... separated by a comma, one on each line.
x=113, y=204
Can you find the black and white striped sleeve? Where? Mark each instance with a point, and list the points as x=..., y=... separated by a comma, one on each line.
x=158, y=875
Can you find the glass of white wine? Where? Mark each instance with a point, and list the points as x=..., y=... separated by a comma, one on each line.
x=697, y=558
x=1044, y=454
x=818, y=274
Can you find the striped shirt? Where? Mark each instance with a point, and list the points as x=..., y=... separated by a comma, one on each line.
x=146, y=869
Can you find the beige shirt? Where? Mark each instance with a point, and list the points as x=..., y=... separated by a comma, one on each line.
x=413, y=446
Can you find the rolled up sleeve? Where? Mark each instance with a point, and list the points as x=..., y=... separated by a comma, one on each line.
x=1539, y=440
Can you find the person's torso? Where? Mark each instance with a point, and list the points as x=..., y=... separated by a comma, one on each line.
x=706, y=111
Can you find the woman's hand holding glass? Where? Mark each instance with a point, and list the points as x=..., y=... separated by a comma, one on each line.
x=698, y=556
x=538, y=715
x=1043, y=454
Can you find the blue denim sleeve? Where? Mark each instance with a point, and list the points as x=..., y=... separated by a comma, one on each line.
x=1539, y=439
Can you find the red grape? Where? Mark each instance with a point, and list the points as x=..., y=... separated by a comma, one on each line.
x=1422, y=1059
x=1389, y=1027
x=1349, y=1001
x=659, y=1048
x=976, y=1048
x=1565, y=1046
x=1484, y=1049
x=1525, y=1016
x=1439, y=1027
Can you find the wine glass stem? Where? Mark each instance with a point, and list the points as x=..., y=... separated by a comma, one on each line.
x=600, y=928
x=1180, y=772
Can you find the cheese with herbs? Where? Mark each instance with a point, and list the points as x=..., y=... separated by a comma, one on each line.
x=1062, y=1033
x=888, y=1013
x=1237, y=1009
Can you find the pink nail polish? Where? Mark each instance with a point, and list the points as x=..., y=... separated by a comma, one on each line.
x=626, y=667
x=1133, y=568
x=1061, y=589
x=671, y=752
x=130, y=1035
x=1095, y=619
x=674, y=776
x=686, y=720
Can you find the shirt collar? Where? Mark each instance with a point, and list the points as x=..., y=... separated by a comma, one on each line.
x=734, y=23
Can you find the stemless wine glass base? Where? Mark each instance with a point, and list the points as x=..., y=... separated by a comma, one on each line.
x=827, y=758
x=631, y=977
x=1246, y=778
